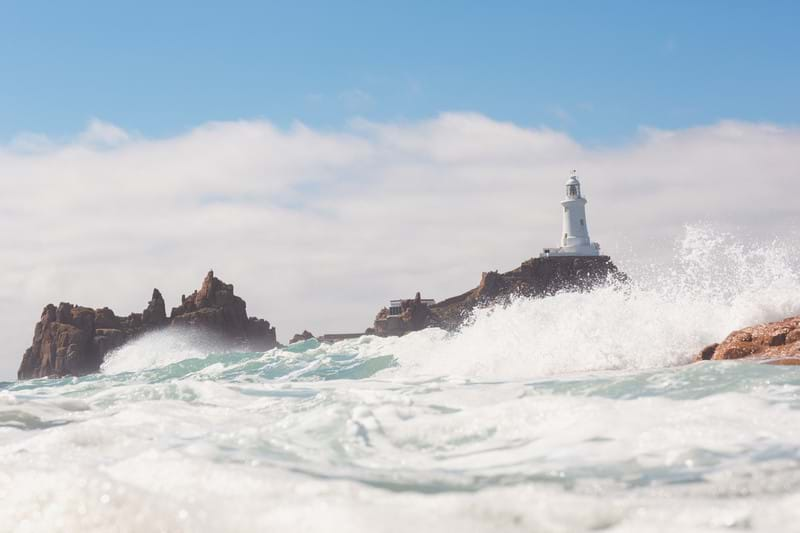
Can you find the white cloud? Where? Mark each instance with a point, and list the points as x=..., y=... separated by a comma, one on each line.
x=103, y=134
x=31, y=142
x=317, y=229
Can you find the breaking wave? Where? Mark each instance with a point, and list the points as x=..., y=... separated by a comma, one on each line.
x=661, y=318
x=567, y=413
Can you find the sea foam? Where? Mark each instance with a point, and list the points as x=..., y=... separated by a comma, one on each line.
x=568, y=413
x=662, y=317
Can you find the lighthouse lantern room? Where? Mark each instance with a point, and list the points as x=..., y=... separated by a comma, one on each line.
x=575, y=231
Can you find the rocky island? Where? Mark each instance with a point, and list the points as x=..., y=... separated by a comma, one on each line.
x=74, y=340
x=535, y=278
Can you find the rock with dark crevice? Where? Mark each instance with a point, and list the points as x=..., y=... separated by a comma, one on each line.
x=773, y=342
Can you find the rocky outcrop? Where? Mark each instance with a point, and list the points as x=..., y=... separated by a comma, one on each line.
x=74, y=340
x=414, y=316
x=216, y=309
x=156, y=311
x=775, y=342
x=300, y=337
x=536, y=278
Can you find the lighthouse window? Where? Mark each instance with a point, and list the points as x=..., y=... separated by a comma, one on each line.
x=573, y=191
x=583, y=223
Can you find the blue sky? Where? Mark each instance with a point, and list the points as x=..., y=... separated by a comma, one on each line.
x=475, y=114
x=597, y=70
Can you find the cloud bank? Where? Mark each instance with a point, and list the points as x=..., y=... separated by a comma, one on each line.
x=317, y=229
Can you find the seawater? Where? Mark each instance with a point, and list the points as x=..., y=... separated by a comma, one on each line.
x=570, y=413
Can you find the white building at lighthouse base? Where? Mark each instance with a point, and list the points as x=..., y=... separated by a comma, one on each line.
x=582, y=250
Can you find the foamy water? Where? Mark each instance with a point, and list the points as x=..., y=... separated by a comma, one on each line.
x=570, y=413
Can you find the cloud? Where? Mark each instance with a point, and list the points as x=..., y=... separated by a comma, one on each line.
x=101, y=133
x=31, y=142
x=318, y=228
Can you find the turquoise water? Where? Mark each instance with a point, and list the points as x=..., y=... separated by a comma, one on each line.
x=576, y=412
x=339, y=438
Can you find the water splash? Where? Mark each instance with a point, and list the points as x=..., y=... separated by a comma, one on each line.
x=557, y=414
x=662, y=318
x=160, y=348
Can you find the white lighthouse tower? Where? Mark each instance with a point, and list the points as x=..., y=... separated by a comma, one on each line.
x=575, y=232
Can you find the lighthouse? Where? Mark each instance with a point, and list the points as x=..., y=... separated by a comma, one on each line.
x=575, y=231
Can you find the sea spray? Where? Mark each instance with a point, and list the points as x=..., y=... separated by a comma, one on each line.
x=160, y=348
x=662, y=317
x=566, y=413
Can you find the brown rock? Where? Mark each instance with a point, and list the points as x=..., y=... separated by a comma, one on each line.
x=299, y=337
x=156, y=311
x=215, y=308
x=735, y=352
x=414, y=315
x=107, y=340
x=74, y=340
x=707, y=352
x=775, y=342
x=260, y=335
x=535, y=278
x=106, y=319
x=62, y=343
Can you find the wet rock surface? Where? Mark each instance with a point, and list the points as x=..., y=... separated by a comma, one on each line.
x=773, y=342
x=74, y=340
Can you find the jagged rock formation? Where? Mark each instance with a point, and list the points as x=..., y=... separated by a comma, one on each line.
x=536, y=277
x=74, y=340
x=414, y=316
x=775, y=342
x=215, y=308
x=299, y=337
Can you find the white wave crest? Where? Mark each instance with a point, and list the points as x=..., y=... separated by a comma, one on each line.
x=663, y=318
x=160, y=348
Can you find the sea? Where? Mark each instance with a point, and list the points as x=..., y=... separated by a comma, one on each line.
x=576, y=412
